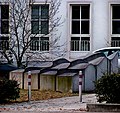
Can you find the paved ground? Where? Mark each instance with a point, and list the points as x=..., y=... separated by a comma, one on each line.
x=53, y=112
x=65, y=111
x=66, y=104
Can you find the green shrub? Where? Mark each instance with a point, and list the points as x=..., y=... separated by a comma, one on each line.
x=107, y=88
x=9, y=90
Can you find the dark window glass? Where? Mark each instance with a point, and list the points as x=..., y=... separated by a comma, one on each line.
x=44, y=27
x=116, y=12
x=4, y=27
x=34, y=43
x=44, y=44
x=39, y=44
x=116, y=38
x=35, y=12
x=75, y=38
x=40, y=23
x=4, y=19
x=44, y=38
x=85, y=12
x=116, y=27
x=115, y=42
x=84, y=27
x=75, y=27
x=85, y=38
x=85, y=43
x=75, y=43
x=35, y=27
x=4, y=11
x=4, y=43
x=75, y=12
x=44, y=11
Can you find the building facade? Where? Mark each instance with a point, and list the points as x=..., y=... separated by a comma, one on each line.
x=86, y=25
x=98, y=25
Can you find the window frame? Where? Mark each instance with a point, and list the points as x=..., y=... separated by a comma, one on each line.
x=39, y=35
x=112, y=35
x=40, y=20
x=4, y=35
x=70, y=4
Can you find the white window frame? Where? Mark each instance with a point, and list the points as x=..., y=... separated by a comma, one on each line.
x=39, y=34
x=69, y=13
x=111, y=3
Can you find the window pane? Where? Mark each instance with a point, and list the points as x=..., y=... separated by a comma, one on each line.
x=35, y=12
x=115, y=42
x=4, y=11
x=75, y=38
x=75, y=27
x=75, y=12
x=4, y=43
x=35, y=27
x=40, y=25
x=85, y=12
x=44, y=11
x=84, y=27
x=85, y=43
x=44, y=27
x=4, y=27
x=116, y=12
x=85, y=38
x=34, y=43
x=39, y=44
x=44, y=44
x=116, y=27
x=44, y=38
x=75, y=43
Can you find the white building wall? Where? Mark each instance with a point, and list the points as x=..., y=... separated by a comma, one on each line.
x=100, y=24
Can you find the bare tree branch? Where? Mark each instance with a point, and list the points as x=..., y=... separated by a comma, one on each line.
x=21, y=30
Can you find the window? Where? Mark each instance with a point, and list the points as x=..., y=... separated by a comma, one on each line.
x=80, y=28
x=39, y=44
x=40, y=25
x=4, y=27
x=4, y=43
x=115, y=20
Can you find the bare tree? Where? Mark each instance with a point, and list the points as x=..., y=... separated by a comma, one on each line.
x=25, y=30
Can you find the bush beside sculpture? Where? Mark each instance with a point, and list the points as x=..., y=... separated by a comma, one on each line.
x=107, y=88
x=9, y=90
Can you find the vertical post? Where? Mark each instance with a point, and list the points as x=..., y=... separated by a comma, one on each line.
x=29, y=86
x=80, y=85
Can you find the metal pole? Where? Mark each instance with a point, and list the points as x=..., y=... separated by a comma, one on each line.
x=29, y=86
x=80, y=85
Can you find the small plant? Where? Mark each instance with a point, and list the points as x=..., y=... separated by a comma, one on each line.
x=9, y=90
x=107, y=88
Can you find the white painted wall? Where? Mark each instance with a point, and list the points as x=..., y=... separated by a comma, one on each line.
x=100, y=24
x=100, y=21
